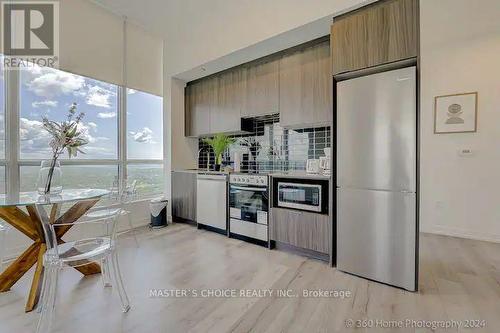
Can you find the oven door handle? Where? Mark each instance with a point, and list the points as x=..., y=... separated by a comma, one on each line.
x=243, y=188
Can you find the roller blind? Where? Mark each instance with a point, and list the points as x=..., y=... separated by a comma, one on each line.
x=91, y=41
x=97, y=43
x=144, y=60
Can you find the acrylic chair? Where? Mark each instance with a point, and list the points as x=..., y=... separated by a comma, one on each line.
x=3, y=239
x=120, y=199
x=100, y=248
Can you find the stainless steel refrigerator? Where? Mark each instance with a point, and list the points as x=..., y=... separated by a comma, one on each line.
x=377, y=235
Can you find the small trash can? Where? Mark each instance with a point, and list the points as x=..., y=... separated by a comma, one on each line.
x=158, y=208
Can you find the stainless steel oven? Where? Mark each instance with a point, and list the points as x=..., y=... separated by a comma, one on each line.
x=248, y=206
x=302, y=195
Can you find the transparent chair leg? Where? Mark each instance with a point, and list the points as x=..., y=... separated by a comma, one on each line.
x=118, y=283
x=106, y=272
x=132, y=229
x=2, y=247
x=49, y=304
x=43, y=291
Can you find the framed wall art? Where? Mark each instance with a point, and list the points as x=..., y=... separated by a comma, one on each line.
x=455, y=113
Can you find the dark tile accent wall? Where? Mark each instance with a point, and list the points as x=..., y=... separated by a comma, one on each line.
x=272, y=148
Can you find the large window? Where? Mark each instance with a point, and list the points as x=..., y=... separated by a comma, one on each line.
x=2, y=110
x=149, y=177
x=123, y=128
x=2, y=179
x=50, y=92
x=74, y=176
x=144, y=126
x=2, y=127
x=145, y=141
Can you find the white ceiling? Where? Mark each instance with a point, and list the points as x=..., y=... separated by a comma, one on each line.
x=152, y=15
x=206, y=36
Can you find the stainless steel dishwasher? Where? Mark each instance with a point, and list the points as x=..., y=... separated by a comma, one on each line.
x=211, y=203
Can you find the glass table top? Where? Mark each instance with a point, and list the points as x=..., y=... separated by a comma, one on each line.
x=32, y=198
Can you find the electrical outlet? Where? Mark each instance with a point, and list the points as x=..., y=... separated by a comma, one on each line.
x=465, y=152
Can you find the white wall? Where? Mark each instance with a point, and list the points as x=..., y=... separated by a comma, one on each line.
x=180, y=152
x=460, y=52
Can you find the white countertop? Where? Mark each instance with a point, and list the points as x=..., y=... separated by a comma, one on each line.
x=210, y=172
x=299, y=174
x=281, y=174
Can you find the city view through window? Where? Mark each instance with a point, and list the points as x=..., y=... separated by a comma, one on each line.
x=47, y=92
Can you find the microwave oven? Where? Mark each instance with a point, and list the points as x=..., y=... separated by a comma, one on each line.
x=307, y=195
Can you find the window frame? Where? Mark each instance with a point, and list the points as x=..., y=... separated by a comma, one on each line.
x=13, y=162
x=6, y=122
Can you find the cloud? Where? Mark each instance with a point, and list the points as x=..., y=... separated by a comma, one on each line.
x=106, y=115
x=49, y=104
x=50, y=83
x=92, y=125
x=47, y=82
x=131, y=91
x=98, y=96
x=143, y=136
x=35, y=140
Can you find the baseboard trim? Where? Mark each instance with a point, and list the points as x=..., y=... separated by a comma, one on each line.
x=300, y=251
x=461, y=233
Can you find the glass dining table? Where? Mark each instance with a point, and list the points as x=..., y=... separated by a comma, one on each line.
x=28, y=222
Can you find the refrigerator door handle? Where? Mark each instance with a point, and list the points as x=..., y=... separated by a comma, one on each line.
x=407, y=192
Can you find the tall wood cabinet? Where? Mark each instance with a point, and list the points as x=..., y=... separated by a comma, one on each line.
x=225, y=114
x=381, y=33
x=261, y=91
x=200, y=98
x=305, y=84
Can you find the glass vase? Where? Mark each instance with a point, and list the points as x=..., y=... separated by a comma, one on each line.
x=49, y=178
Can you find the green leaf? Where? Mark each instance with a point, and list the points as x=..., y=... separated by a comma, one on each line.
x=219, y=143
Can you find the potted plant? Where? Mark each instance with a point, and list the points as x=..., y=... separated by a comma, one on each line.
x=219, y=143
x=66, y=136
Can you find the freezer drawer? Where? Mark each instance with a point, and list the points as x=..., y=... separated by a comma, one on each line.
x=376, y=235
x=249, y=229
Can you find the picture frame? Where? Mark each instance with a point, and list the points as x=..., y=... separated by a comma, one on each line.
x=455, y=113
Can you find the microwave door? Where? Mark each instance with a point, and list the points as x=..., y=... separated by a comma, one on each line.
x=300, y=196
x=293, y=195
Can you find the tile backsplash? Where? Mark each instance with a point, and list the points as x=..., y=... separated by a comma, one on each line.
x=271, y=147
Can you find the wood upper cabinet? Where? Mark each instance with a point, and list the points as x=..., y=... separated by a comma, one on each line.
x=378, y=34
x=305, y=84
x=225, y=114
x=261, y=89
x=200, y=98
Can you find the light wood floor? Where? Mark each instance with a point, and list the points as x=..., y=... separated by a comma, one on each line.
x=459, y=280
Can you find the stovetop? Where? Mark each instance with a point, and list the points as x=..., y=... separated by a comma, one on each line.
x=248, y=179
